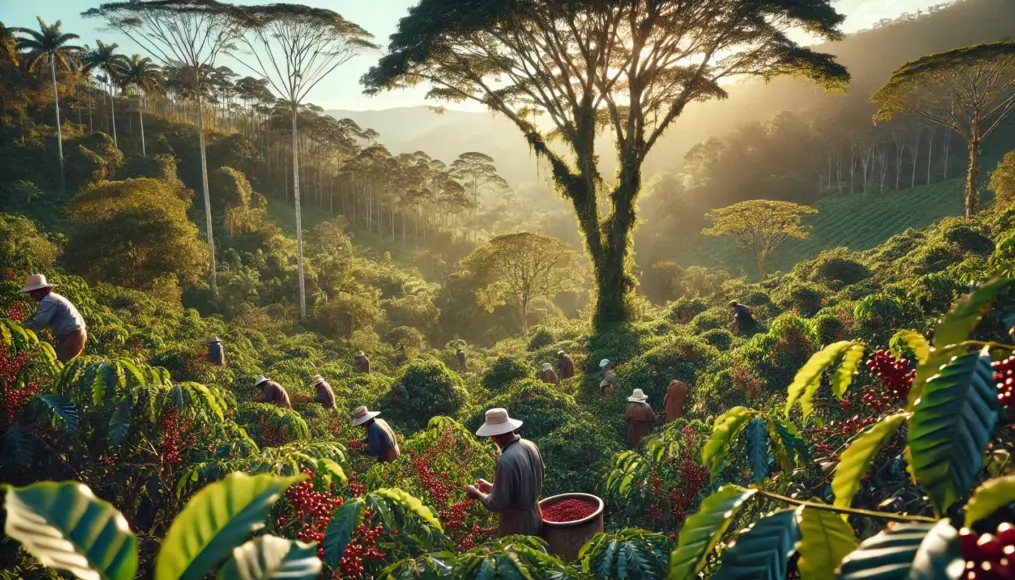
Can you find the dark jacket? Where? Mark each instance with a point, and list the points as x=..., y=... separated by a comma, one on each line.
x=381, y=441
x=363, y=364
x=272, y=392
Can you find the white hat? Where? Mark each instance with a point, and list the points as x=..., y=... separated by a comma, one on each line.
x=360, y=354
x=362, y=415
x=638, y=396
x=260, y=379
x=547, y=367
x=318, y=379
x=560, y=353
x=213, y=340
x=36, y=282
x=498, y=423
x=603, y=363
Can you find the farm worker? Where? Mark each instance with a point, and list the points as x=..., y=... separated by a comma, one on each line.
x=402, y=357
x=58, y=315
x=461, y=359
x=609, y=378
x=518, y=480
x=362, y=362
x=565, y=366
x=325, y=396
x=639, y=417
x=380, y=440
x=742, y=316
x=216, y=355
x=272, y=392
x=400, y=393
x=547, y=375
x=676, y=394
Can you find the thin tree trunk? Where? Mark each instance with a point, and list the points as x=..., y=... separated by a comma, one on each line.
x=140, y=116
x=91, y=128
x=947, y=146
x=112, y=116
x=56, y=107
x=207, y=195
x=930, y=154
x=973, y=177
x=299, y=220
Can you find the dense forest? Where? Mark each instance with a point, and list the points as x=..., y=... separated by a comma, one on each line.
x=847, y=373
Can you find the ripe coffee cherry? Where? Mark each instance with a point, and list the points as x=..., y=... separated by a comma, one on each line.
x=569, y=510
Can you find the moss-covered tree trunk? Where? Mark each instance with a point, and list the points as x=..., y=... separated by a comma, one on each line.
x=973, y=178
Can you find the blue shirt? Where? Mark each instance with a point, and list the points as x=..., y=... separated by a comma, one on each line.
x=57, y=314
x=741, y=311
x=379, y=438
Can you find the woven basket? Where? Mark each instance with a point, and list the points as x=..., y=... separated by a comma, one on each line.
x=565, y=539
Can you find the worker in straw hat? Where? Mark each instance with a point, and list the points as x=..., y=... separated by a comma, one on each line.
x=325, y=396
x=380, y=441
x=639, y=417
x=58, y=315
x=547, y=375
x=216, y=354
x=518, y=479
x=609, y=378
x=565, y=366
x=362, y=362
x=272, y=392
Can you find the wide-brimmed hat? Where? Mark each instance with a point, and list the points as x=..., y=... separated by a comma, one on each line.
x=498, y=423
x=213, y=340
x=362, y=415
x=260, y=379
x=603, y=363
x=36, y=282
x=318, y=379
x=638, y=396
x=360, y=354
x=560, y=353
x=547, y=367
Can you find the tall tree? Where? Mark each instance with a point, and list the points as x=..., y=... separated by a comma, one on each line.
x=968, y=90
x=191, y=33
x=476, y=171
x=631, y=66
x=49, y=44
x=144, y=76
x=295, y=47
x=517, y=269
x=105, y=59
x=760, y=225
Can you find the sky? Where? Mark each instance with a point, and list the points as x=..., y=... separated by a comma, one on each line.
x=341, y=90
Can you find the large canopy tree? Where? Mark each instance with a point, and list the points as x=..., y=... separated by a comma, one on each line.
x=477, y=171
x=630, y=66
x=295, y=47
x=968, y=90
x=760, y=225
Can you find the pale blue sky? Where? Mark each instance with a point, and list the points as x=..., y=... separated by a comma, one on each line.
x=341, y=90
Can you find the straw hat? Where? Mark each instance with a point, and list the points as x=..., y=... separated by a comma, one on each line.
x=36, y=282
x=560, y=353
x=547, y=367
x=361, y=354
x=498, y=423
x=318, y=379
x=362, y=415
x=638, y=396
x=213, y=340
x=260, y=379
x=603, y=363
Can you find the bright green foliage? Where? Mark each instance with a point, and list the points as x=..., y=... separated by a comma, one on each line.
x=513, y=557
x=760, y=226
x=702, y=531
x=268, y=557
x=843, y=376
x=339, y=534
x=808, y=379
x=1002, y=180
x=626, y=555
x=910, y=341
x=757, y=449
x=825, y=540
x=410, y=504
x=66, y=527
x=951, y=427
x=725, y=428
x=989, y=497
x=906, y=551
x=763, y=550
x=433, y=391
x=857, y=459
x=965, y=314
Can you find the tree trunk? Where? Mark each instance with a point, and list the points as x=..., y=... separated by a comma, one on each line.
x=299, y=221
x=946, y=146
x=112, y=115
x=759, y=259
x=973, y=178
x=140, y=116
x=91, y=128
x=930, y=154
x=56, y=107
x=207, y=196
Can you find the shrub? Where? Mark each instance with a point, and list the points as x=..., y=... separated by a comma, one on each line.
x=541, y=337
x=503, y=373
x=433, y=391
x=837, y=268
x=720, y=338
x=662, y=282
x=711, y=319
x=685, y=309
x=271, y=426
x=576, y=454
x=933, y=258
x=542, y=407
x=968, y=238
x=827, y=327
x=806, y=298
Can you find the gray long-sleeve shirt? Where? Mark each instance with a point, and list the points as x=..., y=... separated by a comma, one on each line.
x=517, y=483
x=379, y=438
x=57, y=314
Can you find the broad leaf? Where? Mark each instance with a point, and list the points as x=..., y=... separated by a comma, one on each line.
x=965, y=314
x=951, y=427
x=856, y=460
x=63, y=409
x=217, y=519
x=808, y=378
x=270, y=557
x=763, y=550
x=936, y=361
x=912, y=341
x=990, y=497
x=119, y=423
x=18, y=447
x=825, y=541
x=410, y=504
x=725, y=428
x=703, y=530
x=757, y=449
x=67, y=528
x=907, y=552
x=339, y=532
x=331, y=471
x=843, y=376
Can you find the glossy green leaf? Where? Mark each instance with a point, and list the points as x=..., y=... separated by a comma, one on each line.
x=725, y=428
x=990, y=497
x=411, y=504
x=808, y=378
x=272, y=558
x=951, y=427
x=63, y=409
x=763, y=550
x=825, y=539
x=757, y=449
x=119, y=423
x=843, y=376
x=703, y=530
x=339, y=532
x=67, y=528
x=911, y=341
x=332, y=470
x=18, y=447
x=217, y=519
x=856, y=460
x=936, y=361
x=967, y=312
x=907, y=552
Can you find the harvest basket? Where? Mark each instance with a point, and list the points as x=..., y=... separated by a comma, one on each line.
x=565, y=539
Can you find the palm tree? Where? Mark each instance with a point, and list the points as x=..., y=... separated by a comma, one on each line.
x=144, y=76
x=105, y=59
x=49, y=43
